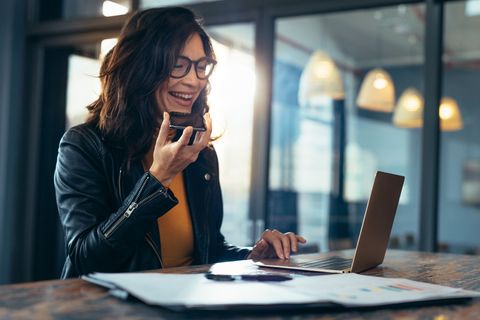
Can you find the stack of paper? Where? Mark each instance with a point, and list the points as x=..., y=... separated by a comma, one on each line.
x=178, y=291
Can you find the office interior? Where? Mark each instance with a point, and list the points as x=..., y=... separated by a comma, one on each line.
x=311, y=99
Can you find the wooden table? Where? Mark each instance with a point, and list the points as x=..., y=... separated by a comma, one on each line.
x=78, y=299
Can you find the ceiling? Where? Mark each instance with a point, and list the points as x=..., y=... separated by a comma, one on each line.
x=365, y=38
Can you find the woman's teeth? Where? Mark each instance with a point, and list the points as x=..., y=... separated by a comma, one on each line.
x=182, y=95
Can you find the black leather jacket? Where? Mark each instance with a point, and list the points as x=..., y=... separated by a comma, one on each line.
x=108, y=207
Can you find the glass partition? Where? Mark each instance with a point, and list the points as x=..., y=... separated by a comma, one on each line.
x=144, y=4
x=83, y=85
x=231, y=101
x=337, y=118
x=459, y=197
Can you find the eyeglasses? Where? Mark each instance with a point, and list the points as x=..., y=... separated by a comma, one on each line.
x=203, y=67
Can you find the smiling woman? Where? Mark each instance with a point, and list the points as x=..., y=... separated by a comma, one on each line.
x=130, y=197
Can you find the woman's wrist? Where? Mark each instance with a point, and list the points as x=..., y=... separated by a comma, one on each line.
x=160, y=178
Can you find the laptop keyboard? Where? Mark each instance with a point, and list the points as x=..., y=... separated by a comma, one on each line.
x=335, y=263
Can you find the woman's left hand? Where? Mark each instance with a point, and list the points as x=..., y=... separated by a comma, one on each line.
x=275, y=244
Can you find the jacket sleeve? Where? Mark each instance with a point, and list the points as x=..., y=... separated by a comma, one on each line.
x=225, y=251
x=98, y=237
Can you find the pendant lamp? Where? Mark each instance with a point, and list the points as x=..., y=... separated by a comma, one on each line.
x=377, y=92
x=319, y=80
x=409, y=110
x=450, y=117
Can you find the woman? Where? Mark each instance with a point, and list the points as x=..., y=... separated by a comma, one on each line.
x=130, y=198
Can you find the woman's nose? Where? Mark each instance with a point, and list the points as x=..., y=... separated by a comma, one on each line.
x=191, y=77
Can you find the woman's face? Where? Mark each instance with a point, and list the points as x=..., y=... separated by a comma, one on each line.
x=178, y=95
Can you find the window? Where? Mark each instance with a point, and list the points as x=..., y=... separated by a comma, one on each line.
x=73, y=9
x=231, y=101
x=83, y=86
x=328, y=136
x=145, y=4
x=459, y=191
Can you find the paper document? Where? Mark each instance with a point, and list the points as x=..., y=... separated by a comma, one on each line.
x=195, y=291
x=353, y=289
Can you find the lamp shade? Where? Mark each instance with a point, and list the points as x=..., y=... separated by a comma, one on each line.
x=377, y=92
x=320, y=78
x=450, y=117
x=409, y=110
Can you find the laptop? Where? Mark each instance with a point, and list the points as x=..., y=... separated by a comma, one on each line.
x=373, y=239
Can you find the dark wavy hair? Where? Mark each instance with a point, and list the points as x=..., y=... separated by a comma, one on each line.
x=126, y=111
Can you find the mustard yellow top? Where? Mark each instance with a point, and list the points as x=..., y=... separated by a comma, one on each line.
x=176, y=231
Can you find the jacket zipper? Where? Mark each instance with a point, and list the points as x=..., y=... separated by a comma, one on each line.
x=129, y=210
x=127, y=214
x=207, y=231
x=150, y=242
x=120, y=184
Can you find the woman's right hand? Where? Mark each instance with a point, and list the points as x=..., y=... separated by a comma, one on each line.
x=171, y=158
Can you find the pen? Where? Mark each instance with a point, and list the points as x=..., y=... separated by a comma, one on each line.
x=247, y=277
x=265, y=277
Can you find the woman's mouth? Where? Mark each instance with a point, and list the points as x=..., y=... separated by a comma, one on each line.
x=185, y=99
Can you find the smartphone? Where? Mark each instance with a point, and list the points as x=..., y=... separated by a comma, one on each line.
x=179, y=121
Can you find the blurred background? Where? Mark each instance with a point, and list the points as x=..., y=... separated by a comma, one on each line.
x=312, y=98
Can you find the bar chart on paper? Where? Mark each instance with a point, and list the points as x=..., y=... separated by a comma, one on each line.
x=358, y=290
x=398, y=287
x=394, y=290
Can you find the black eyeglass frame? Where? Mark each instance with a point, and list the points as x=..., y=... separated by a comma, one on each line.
x=195, y=63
